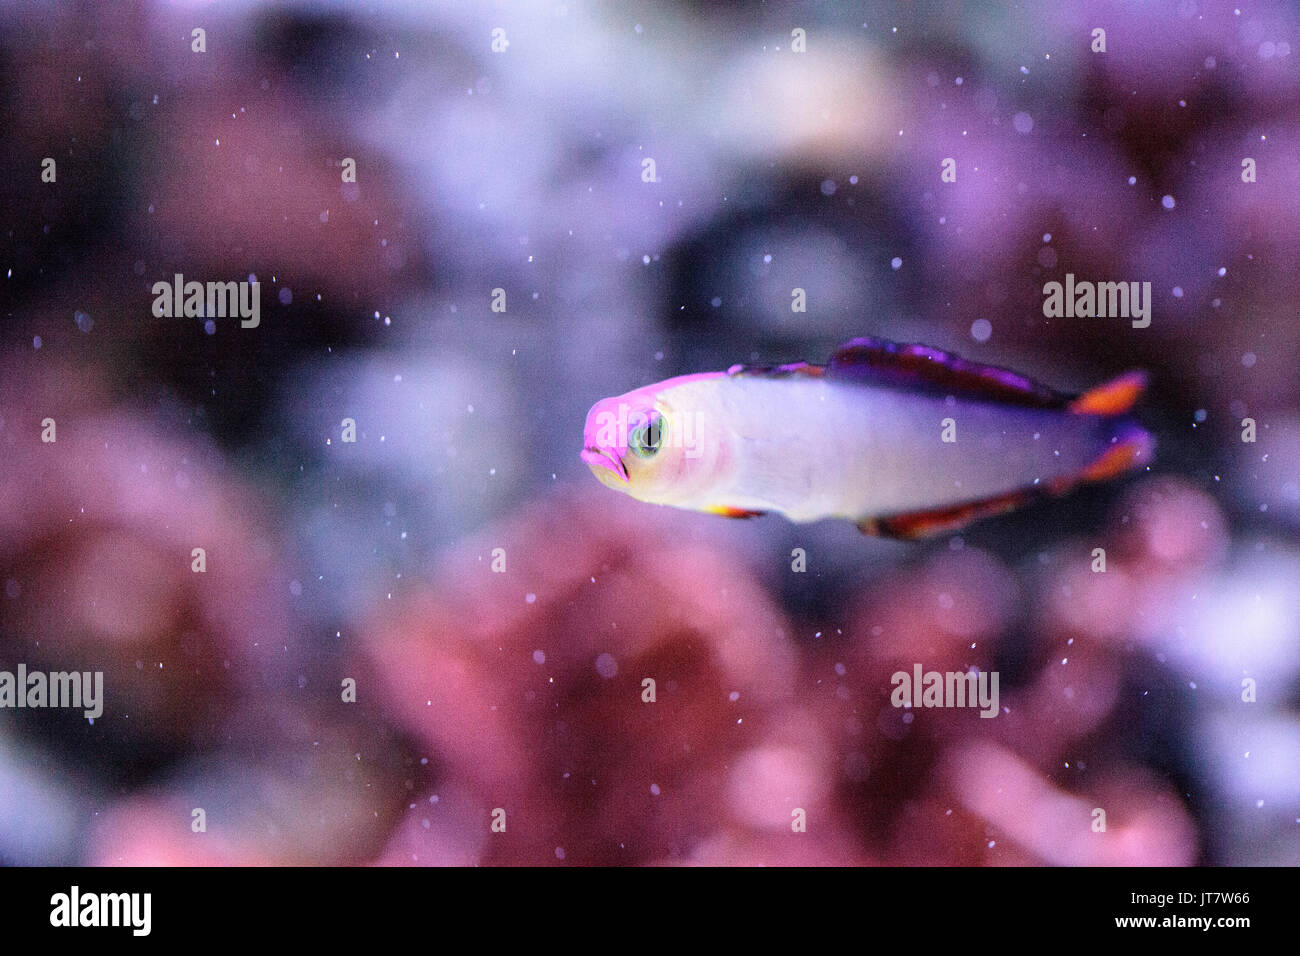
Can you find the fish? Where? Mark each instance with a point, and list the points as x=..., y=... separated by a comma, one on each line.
x=904, y=440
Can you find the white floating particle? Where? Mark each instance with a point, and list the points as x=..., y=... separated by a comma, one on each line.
x=606, y=666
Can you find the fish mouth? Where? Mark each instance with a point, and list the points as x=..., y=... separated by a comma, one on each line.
x=598, y=458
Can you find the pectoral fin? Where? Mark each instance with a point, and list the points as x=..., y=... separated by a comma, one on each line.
x=729, y=512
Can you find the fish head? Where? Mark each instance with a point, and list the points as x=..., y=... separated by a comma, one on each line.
x=645, y=445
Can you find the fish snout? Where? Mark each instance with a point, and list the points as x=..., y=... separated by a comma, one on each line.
x=601, y=438
x=606, y=466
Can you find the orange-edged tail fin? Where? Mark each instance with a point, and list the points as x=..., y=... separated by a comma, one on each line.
x=1115, y=397
x=1130, y=450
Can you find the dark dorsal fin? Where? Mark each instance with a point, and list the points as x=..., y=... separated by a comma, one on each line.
x=777, y=371
x=877, y=361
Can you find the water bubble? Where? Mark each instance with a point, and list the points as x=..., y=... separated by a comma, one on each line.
x=981, y=329
x=606, y=666
x=84, y=322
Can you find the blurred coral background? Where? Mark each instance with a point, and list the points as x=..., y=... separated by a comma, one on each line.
x=521, y=690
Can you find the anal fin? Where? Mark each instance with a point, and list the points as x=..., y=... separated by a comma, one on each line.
x=1129, y=450
x=911, y=525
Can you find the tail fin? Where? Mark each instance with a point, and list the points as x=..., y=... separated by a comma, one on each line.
x=1115, y=397
x=1131, y=448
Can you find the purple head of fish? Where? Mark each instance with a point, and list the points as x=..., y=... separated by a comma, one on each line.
x=604, y=443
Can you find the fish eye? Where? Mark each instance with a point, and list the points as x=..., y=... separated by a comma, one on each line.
x=646, y=440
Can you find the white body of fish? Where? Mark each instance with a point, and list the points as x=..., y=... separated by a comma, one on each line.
x=817, y=447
